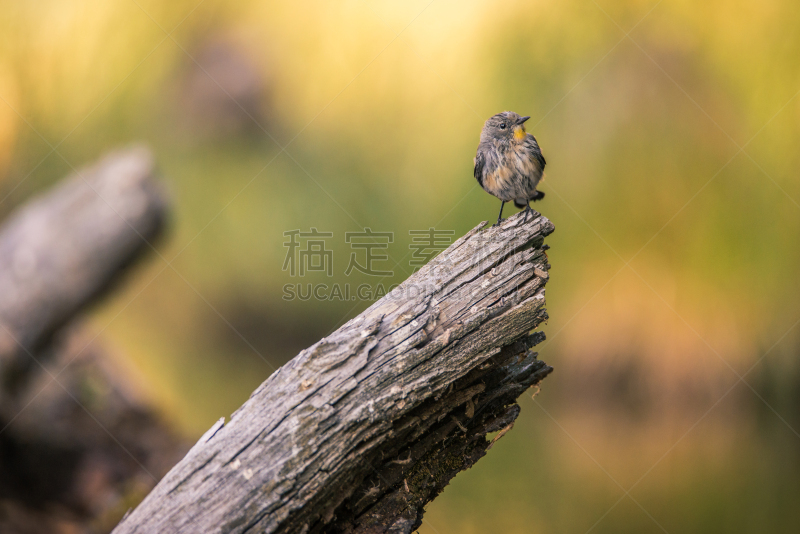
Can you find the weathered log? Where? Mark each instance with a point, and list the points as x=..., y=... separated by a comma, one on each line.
x=62, y=250
x=358, y=432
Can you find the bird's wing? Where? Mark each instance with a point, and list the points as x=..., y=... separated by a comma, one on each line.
x=538, y=152
x=480, y=161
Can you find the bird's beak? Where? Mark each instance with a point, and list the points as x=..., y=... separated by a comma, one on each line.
x=522, y=120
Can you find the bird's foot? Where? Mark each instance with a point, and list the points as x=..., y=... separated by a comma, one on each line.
x=528, y=211
x=498, y=222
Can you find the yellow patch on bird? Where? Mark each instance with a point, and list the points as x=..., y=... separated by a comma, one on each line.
x=519, y=133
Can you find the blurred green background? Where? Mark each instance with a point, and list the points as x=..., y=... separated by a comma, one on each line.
x=671, y=132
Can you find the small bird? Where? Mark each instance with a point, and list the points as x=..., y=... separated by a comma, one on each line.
x=509, y=163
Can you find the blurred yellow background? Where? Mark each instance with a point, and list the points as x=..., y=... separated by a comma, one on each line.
x=671, y=133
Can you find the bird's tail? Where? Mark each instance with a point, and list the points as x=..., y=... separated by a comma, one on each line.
x=523, y=203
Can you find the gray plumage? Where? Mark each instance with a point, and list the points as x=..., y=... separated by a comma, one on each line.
x=509, y=163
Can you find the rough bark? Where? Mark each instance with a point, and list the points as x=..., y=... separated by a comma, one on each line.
x=63, y=249
x=358, y=432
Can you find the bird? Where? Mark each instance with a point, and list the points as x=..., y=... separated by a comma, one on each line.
x=509, y=163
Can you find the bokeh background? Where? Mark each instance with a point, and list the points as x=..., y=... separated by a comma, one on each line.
x=671, y=132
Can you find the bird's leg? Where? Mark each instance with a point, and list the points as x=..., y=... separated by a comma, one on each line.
x=500, y=217
x=528, y=211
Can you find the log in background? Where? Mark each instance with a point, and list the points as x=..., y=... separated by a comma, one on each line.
x=358, y=432
x=62, y=249
x=78, y=447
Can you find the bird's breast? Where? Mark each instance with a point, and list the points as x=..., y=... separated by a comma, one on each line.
x=500, y=182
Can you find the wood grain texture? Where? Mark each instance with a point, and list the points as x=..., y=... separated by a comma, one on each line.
x=359, y=431
x=61, y=250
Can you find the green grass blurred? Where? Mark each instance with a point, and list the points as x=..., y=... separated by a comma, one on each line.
x=671, y=179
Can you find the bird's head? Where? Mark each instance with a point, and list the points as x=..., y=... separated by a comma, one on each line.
x=505, y=126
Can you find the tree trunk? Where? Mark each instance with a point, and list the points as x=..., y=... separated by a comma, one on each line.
x=358, y=432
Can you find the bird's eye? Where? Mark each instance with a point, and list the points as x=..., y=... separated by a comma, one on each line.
x=502, y=126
